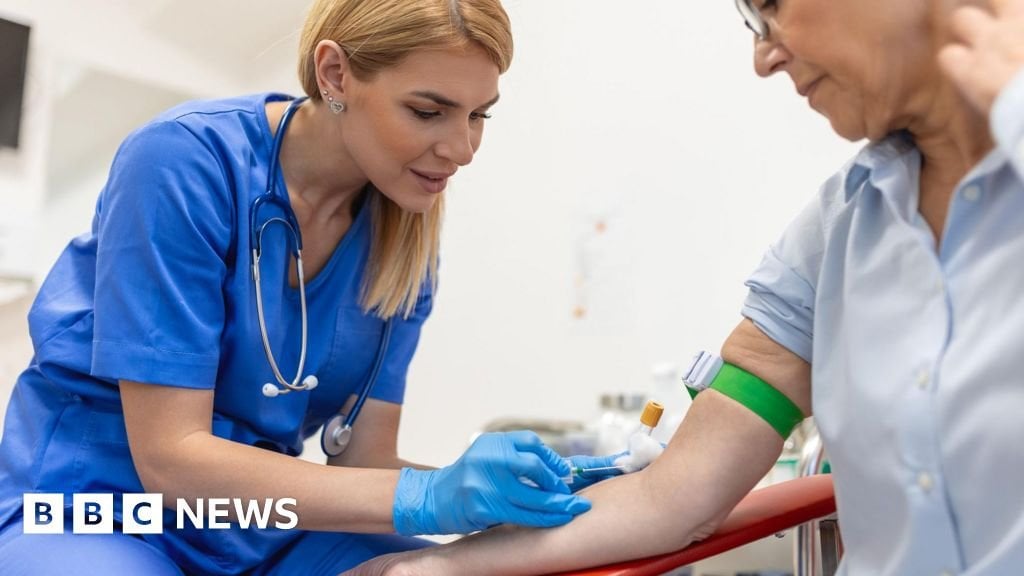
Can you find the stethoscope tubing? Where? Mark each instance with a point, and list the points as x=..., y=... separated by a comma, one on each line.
x=294, y=384
x=336, y=435
x=256, y=239
x=385, y=339
x=337, y=431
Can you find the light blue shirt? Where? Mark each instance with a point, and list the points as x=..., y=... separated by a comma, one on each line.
x=917, y=354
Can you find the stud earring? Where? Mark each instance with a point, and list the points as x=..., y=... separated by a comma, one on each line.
x=335, y=106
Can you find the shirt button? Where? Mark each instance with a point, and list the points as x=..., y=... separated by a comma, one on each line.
x=924, y=480
x=923, y=377
x=972, y=193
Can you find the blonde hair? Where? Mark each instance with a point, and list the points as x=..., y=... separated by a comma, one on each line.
x=378, y=34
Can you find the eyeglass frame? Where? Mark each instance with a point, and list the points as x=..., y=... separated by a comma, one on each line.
x=753, y=19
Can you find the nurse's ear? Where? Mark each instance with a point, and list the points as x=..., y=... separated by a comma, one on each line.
x=333, y=71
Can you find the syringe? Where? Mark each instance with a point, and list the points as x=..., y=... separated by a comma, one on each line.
x=648, y=421
x=580, y=471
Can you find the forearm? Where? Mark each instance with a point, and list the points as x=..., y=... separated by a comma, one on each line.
x=721, y=450
x=718, y=454
x=382, y=462
x=399, y=463
x=327, y=497
x=376, y=444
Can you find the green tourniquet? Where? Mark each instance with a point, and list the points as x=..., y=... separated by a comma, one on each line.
x=759, y=397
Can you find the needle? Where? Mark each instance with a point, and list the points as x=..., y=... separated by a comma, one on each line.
x=581, y=471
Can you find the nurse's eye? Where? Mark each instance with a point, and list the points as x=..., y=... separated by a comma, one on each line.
x=425, y=114
x=479, y=116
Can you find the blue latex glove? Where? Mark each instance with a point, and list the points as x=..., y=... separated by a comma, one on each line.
x=581, y=481
x=486, y=486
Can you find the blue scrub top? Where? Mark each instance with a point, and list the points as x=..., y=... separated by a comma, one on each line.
x=160, y=291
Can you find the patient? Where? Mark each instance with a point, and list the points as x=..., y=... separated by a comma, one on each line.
x=893, y=299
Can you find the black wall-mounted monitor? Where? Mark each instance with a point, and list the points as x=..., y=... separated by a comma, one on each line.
x=13, y=64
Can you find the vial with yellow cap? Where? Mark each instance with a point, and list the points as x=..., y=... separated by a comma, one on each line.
x=648, y=422
x=650, y=417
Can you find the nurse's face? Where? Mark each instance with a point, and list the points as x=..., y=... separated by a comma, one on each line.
x=866, y=65
x=411, y=126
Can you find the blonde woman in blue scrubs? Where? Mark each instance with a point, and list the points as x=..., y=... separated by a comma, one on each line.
x=149, y=374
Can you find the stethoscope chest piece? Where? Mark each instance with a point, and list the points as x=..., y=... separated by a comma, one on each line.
x=336, y=435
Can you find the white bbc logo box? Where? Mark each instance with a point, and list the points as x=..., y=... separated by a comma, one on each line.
x=92, y=513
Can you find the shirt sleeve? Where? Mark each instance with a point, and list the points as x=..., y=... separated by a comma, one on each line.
x=1007, y=122
x=164, y=226
x=405, y=337
x=783, y=286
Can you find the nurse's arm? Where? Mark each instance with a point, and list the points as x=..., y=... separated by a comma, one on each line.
x=719, y=453
x=374, y=443
x=176, y=454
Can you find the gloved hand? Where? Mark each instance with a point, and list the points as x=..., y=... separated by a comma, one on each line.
x=584, y=479
x=486, y=486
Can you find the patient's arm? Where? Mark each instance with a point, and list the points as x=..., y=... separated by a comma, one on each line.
x=719, y=453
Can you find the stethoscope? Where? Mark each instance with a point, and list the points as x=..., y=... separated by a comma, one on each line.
x=337, y=432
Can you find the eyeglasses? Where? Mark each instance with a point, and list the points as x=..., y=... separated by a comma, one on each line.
x=753, y=19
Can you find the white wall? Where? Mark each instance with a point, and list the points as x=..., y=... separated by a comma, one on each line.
x=653, y=118
x=648, y=120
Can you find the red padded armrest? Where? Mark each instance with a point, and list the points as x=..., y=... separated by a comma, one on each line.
x=761, y=513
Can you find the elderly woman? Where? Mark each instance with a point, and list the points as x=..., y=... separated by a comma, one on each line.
x=893, y=301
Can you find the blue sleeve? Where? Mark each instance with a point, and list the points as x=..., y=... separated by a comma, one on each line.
x=1007, y=122
x=164, y=227
x=783, y=287
x=405, y=336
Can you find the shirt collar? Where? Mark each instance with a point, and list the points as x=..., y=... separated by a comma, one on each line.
x=992, y=163
x=897, y=156
x=891, y=166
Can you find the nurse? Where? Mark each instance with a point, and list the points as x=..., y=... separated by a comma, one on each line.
x=159, y=368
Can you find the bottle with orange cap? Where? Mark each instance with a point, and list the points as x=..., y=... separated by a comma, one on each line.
x=649, y=419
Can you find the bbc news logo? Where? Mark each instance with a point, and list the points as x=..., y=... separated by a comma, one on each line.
x=143, y=513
